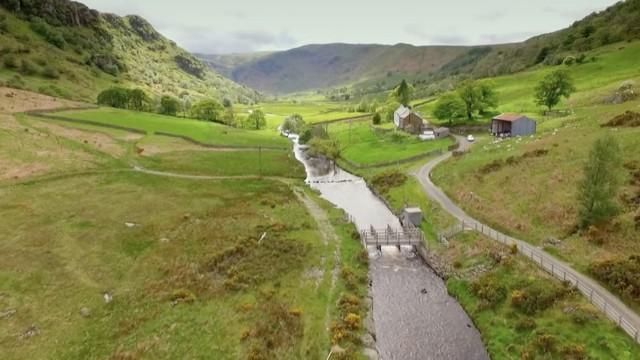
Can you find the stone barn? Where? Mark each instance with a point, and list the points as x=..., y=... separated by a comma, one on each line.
x=408, y=120
x=508, y=125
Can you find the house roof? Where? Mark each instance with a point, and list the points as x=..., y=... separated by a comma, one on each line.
x=508, y=117
x=403, y=111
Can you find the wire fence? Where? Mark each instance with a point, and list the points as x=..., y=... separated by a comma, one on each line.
x=548, y=264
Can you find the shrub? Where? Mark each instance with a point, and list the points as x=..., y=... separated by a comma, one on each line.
x=50, y=34
x=376, y=119
x=28, y=68
x=537, y=296
x=10, y=62
x=183, y=296
x=489, y=289
x=525, y=323
x=16, y=82
x=50, y=72
x=545, y=342
x=574, y=352
x=387, y=180
x=622, y=274
x=569, y=60
x=352, y=321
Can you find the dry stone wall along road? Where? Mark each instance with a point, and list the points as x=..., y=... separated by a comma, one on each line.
x=615, y=309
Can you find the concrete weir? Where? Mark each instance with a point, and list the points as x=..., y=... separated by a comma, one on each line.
x=413, y=315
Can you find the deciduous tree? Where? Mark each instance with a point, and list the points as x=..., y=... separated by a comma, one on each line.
x=208, y=110
x=449, y=107
x=256, y=120
x=169, y=105
x=553, y=88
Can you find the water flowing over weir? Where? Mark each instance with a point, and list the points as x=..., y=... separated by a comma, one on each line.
x=414, y=316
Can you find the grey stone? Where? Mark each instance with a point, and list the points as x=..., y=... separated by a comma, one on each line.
x=85, y=312
x=368, y=340
x=371, y=354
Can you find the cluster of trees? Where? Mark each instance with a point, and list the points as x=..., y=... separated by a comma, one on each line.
x=473, y=97
x=207, y=110
x=470, y=98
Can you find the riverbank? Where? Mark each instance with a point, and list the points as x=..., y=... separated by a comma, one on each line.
x=414, y=317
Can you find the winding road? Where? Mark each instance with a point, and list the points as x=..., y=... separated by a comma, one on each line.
x=611, y=305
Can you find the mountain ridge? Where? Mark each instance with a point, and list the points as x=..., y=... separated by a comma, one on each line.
x=310, y=67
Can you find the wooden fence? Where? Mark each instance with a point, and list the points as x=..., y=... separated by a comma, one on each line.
x=547, y=263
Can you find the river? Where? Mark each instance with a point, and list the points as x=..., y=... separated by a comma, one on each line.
x=414, y=317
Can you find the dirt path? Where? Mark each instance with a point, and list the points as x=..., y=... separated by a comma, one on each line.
x=329, y=236
x=615, y=309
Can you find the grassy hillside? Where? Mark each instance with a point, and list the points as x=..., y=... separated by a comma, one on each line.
x=46, y=48
x=528, y=187
x=195, y=268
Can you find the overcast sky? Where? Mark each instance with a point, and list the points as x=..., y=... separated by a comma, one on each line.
x=226, y=26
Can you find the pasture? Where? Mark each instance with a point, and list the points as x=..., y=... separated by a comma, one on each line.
x=367, y=145
x=202, y=131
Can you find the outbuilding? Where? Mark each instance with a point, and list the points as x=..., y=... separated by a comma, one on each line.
x=508, y=125
x=408, y=120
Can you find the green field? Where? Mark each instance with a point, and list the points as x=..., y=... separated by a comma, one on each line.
x=182, y=258
x=205, y=132
x=234, y=163
x=312, y=112
x=364, y=145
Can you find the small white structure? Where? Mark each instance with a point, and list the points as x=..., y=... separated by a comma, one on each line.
x=427, y=135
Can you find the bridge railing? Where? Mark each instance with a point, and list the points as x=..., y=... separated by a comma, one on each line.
x=392, y=237
x=546, y=263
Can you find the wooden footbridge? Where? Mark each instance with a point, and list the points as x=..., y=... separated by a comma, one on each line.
x=406, y=236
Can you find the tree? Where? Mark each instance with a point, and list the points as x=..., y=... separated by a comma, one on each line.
x=376, y=119
x=293, y=124
x=256, y=120
x=471, y=95
x=227, y=103
x=553, y=88
x=169, y=105
x=449, y=107
x=229, y=116
x=403, y=93
x=329, y=148
x=138, y=100
x=488, y=97
x=597, y=191
x=208, y=110
x=116, y=97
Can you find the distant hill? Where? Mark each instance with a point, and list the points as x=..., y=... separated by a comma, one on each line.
x=376, y=67
x=63, y=48
x=225, y=64
x=323, y=66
